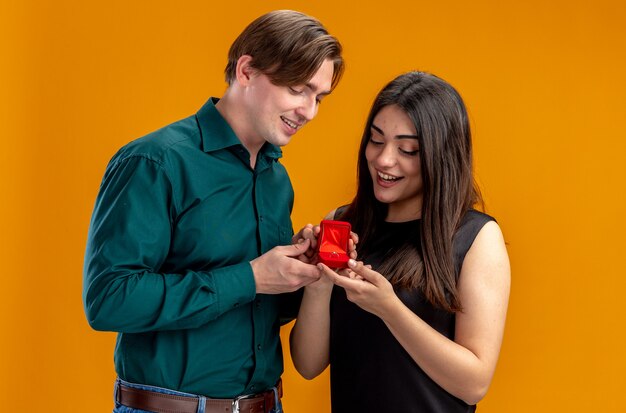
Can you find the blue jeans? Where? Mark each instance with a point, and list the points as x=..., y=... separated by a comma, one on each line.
x=119, y=408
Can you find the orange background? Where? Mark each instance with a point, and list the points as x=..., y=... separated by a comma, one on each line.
x=545, y=85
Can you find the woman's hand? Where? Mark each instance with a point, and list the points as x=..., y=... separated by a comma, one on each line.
x=365, y=287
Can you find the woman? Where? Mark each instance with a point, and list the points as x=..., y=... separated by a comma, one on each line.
x=416, y=324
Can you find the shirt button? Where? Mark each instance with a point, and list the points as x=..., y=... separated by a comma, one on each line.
x=252, y=387
x=261, y=218
x=259, y=347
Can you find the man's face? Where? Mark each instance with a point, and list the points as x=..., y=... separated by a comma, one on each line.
x=276, y=113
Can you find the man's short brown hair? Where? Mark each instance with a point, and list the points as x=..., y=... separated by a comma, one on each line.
x=287, y=46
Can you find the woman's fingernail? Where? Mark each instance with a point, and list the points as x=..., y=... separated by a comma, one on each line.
x=351, y=262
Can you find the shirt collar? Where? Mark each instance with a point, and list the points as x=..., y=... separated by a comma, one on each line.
x=217, y=134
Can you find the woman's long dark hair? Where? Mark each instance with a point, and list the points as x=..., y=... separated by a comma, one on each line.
x=449, y=190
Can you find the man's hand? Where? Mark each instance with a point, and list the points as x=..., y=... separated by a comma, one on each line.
x=279, y=270
x=308, y=232
x=354, y=239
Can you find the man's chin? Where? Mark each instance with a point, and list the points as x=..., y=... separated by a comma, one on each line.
x=280, y=141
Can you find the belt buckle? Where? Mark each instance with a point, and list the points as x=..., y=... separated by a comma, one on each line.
x=235, y=404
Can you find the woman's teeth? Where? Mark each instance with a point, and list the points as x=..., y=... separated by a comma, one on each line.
x=386, y=177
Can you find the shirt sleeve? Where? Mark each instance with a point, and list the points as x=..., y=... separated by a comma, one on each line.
x=128, y=242
x=289, y=305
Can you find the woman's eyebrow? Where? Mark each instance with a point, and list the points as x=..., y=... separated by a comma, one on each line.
x=379, y=130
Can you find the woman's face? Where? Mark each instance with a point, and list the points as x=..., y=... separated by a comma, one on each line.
x=393, y=161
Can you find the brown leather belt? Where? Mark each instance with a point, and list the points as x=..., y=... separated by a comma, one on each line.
x=171, y=403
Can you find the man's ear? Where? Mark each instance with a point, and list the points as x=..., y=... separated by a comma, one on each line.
x=244, y=70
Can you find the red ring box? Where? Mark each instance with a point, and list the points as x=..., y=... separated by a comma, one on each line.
x=332, y=243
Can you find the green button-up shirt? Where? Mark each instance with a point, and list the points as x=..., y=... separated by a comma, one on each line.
x=179, y=215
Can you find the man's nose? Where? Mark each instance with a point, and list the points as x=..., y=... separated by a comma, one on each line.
x=308, y=109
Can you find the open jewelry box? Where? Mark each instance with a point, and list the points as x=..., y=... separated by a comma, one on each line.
x=332, y=243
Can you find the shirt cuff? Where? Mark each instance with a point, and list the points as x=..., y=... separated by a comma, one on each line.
x=234, y=285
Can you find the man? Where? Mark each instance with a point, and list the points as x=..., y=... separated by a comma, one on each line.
x=187, y=250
